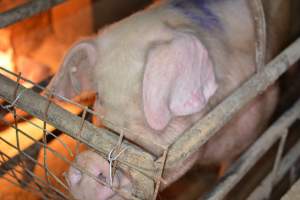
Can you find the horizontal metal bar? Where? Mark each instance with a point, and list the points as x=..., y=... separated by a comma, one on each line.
x=36, y=88
x=26, y=10
x=134, y=159
x=287, y=162
x=239, y=169
x=203, y=130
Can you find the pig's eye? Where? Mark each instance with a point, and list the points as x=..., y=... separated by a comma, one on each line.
x=101, y=177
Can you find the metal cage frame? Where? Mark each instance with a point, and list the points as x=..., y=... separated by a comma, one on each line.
x=148, y=171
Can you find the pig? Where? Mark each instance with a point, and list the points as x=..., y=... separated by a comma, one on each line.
x=160, y=70
x=99, y=168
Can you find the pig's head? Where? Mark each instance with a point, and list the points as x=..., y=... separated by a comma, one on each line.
x=145, y=71
x=150, y=72
x=152, y=75
x=75, y=73
x=83, y=186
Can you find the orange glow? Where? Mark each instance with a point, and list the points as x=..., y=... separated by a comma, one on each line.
x=6, y=50
x=35, y=47
x=9, y=134
x=6, y=59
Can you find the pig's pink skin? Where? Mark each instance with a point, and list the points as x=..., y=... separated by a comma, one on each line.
x=93, y=190
x=120, y=75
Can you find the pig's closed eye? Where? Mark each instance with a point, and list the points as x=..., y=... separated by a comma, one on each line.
x=101, y=177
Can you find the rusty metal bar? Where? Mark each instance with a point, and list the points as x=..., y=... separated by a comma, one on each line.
x=98, y=138
x=205, y=128
x=254, y=153
x=26, y=10
x=138, y=162
x=287, y=162
x=104, y=140
x=260, y=33
x=278, y=160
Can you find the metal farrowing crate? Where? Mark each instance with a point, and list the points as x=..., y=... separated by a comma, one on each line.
x=19, y=154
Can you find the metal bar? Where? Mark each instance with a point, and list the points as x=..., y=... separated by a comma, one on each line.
x=254, y=153
x=103, y=140
x=205, y=128
x=28, y=171
x=36, y=178
x=277, y=160
x=26, y=10
x=156, y=148
x=260, y=33
x=138, y=162
x=287, y=162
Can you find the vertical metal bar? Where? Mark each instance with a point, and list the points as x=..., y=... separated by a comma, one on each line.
x=287, y=162
x=45, y=141
x=160, y=173
x=191, y=140
x=260, y=33
x=22, y=163
x=15, y=114
x=239, y=169
x=277, y=162
x=80, y=130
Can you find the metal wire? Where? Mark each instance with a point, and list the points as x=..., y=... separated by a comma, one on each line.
x=48, y=172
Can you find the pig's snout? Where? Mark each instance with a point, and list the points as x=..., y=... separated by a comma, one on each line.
x=83, y=186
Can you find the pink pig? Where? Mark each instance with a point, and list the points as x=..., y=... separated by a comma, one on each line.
x=160, y=70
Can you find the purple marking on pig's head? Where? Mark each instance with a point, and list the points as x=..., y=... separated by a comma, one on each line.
x=199, y=11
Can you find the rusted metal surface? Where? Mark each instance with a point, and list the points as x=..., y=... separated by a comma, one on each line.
x=254, y=153
x=139, y=163
x=26, y=11
x=260, y=33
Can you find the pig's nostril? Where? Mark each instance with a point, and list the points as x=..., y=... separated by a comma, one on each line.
x=101, y=177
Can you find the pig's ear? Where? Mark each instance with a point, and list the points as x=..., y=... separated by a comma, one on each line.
x=178, y=80
x=80, y=63
x=75, y=73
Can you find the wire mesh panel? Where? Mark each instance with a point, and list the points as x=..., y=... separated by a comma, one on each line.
x=29, y=160
x=39, y=140
x=35, y=154
x=30, y=157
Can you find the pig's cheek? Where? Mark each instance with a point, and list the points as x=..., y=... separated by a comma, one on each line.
x=74, y=176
